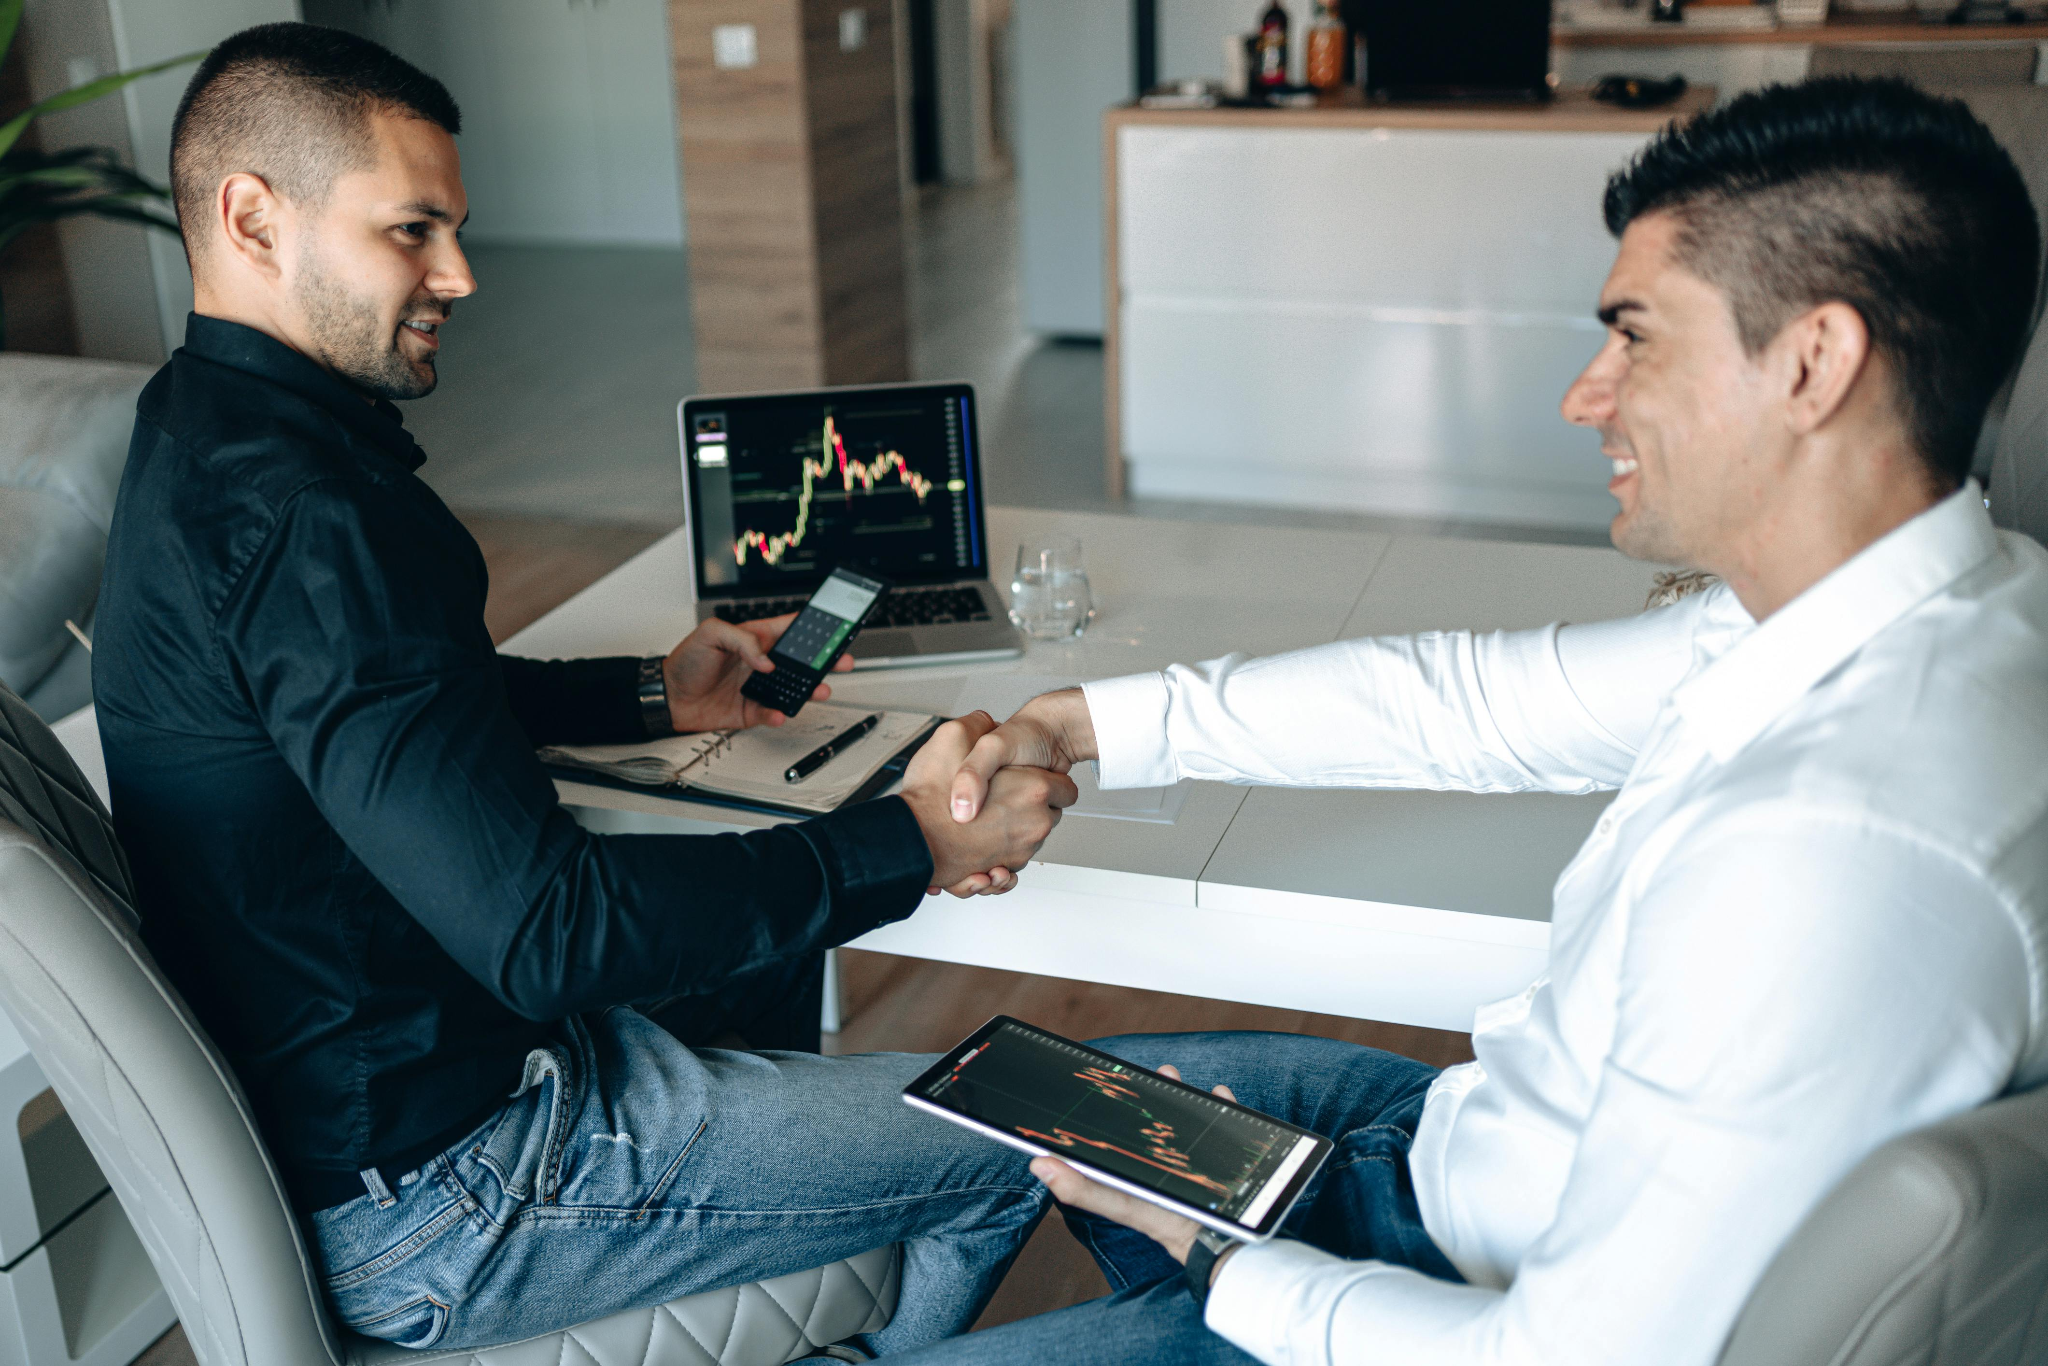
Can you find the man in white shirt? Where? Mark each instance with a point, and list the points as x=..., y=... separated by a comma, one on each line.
x=1815, y=916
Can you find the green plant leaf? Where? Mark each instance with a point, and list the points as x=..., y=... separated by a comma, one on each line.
x=11, y=131
x=10, y=21
x=36, y=176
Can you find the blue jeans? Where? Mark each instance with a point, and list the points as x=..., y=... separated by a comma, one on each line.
x=1361, y=1205
x=630, y=1169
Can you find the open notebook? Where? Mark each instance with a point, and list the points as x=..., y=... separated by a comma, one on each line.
x=745, y=767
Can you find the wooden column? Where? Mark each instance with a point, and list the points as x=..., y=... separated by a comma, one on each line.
x=792, y=180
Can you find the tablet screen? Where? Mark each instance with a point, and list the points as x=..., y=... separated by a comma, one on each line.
x=1084, y=1106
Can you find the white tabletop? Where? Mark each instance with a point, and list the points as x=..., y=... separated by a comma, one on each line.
x=1406, y=906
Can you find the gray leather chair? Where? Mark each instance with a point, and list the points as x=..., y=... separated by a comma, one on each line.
x=170, y=1128
x=2016, y=433
x=64, y=429
x=1932, y=1252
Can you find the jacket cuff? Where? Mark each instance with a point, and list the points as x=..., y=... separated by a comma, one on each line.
x=877, y=865
x=1129, y=716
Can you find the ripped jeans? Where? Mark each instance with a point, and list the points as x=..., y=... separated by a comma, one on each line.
x=629, y=1170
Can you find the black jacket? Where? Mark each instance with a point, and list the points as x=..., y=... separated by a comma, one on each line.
x=347, y=857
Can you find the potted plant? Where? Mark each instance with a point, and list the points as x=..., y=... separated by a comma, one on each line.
x=41, y=187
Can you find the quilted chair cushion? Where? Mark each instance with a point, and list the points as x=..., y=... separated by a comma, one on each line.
x=171, y=1130
x=749, y=1325
x=64, y=431
x=42, y=792
x=1932, y=1252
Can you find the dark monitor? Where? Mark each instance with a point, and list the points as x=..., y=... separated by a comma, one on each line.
x=1454, y=49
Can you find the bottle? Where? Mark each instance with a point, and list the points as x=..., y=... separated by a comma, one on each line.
x=1325, y=65
x=1271, y=71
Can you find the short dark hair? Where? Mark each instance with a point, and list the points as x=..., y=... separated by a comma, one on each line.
x=1872, y=193
x=291, y=103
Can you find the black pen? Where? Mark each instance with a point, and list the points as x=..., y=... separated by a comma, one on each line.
x=819, y=757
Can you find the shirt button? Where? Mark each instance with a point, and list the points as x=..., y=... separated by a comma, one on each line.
x=1606, y=826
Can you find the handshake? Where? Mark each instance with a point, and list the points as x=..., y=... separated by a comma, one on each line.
x=986, y=796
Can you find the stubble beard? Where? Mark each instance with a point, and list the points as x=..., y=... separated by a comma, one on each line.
x=352, y=339
x=1643, y=535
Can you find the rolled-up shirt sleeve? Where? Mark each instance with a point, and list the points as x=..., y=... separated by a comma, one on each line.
x=381, y=689
x=1453, y=710
x=1747, y=1075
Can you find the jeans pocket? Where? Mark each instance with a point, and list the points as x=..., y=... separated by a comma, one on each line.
x=523, y=1152
x=417, y=1324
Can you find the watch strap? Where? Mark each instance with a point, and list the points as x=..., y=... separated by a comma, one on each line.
x=652, y=690
x=1201, y=1263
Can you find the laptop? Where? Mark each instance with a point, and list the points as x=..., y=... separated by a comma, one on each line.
x=780, y=489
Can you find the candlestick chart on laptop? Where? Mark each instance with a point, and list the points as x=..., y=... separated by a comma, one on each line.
x=791, y=489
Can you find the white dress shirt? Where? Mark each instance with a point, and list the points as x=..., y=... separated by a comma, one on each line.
x=1815, y=917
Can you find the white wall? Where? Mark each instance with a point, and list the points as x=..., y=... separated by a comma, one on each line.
x=148, y=31
x=107, y=265
x=130, y=290
x=1073, y=60
x=568, y=110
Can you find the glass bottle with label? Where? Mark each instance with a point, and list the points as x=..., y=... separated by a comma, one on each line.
x=1325, y=64
x=1271, y=70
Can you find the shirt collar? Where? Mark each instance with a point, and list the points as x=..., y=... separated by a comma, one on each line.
x=1736, y=697
x=256, y=353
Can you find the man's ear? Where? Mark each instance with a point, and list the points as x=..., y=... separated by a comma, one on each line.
x=250, y=218
x=1826, y=351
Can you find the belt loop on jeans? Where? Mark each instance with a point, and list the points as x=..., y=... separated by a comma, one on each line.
x=373, y=1181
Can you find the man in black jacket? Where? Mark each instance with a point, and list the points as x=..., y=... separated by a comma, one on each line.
x=351, y=864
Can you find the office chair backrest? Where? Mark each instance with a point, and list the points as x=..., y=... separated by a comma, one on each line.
x=1933, y=1252
x=2018, y=117
x=156, y=1104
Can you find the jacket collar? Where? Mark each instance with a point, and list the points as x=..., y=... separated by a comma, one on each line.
x=1734, y=699
x=243, y=348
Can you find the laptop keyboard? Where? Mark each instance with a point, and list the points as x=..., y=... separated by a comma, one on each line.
x=902, y=607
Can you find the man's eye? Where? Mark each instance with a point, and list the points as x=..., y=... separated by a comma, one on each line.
x=413, y=229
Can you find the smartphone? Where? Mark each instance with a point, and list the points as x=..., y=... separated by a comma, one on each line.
x=820, y=634
x=1224, y=1165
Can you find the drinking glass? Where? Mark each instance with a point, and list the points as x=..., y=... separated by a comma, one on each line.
x=1049, y=598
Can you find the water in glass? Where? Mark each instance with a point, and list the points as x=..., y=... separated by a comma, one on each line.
x=1049, y=598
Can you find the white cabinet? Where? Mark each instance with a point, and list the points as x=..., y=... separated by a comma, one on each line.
x=1357, y=316
x=568, y=111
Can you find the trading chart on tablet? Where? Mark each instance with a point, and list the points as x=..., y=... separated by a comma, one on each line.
x=1180, y=1143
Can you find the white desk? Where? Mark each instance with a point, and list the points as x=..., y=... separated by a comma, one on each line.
x=1408, y=907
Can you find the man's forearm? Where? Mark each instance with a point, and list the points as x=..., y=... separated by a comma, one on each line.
x=574, y=701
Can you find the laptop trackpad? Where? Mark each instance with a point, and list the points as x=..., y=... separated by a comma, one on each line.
x=885, y=644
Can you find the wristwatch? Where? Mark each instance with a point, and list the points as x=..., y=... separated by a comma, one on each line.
x=1201, y=1264
x=652, y=691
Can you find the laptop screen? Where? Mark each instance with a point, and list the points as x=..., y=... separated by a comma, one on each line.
x=783, y=488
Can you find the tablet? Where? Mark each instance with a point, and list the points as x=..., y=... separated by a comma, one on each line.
x=1214, y=1161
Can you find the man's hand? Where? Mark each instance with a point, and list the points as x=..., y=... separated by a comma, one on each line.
x=705, y=672
x=1052, y=731
x=1162, y=1226
x=1019, y=810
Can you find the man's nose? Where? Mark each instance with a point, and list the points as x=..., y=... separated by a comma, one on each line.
x=1590, y=400
x=450, y=278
